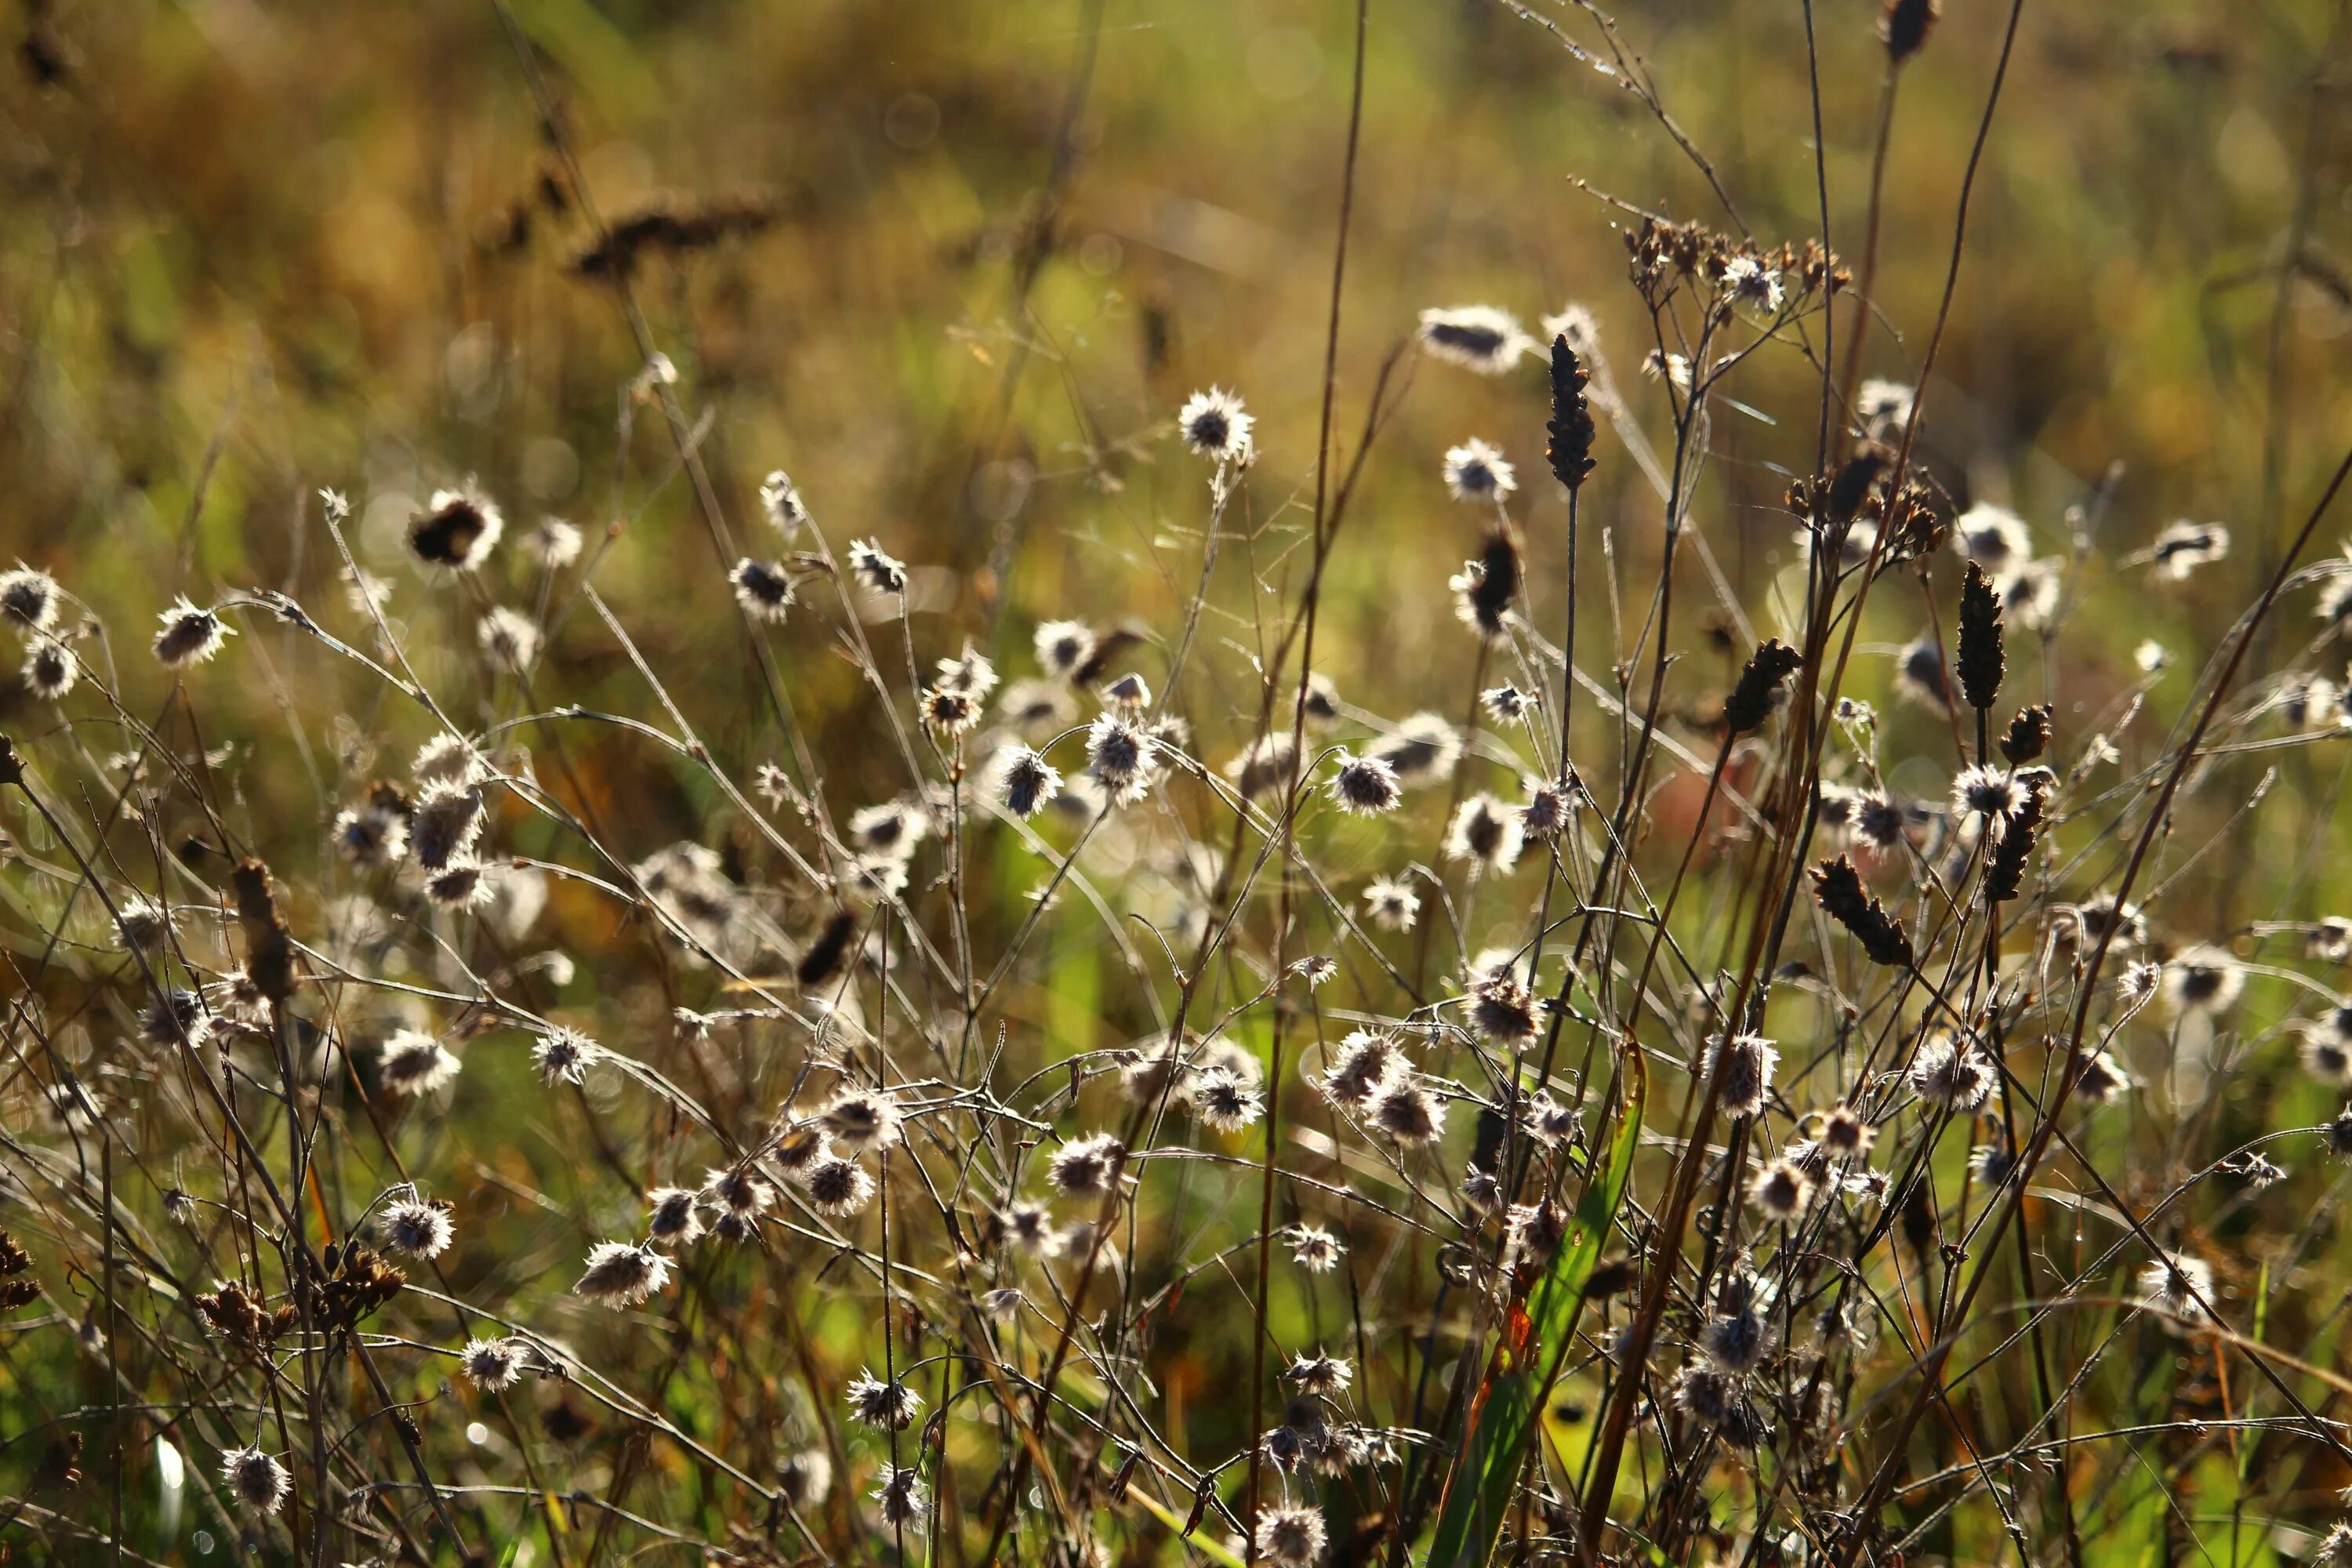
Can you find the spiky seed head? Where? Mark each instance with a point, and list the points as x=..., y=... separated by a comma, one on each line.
x=257, y=1481
x=623, y=1274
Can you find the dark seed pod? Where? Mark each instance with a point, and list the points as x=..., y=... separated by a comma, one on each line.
x=1570, y=450
x=1758, y=691
x=823, y=959
x=2028, y=735
x=2006, y=873
x=1497, y=583
x=1980, y=662
x=269, y=951
x=1837, y=885
x=1904, y=25
x=1852, y=486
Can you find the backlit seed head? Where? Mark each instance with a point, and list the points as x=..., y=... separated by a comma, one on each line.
x=1408, y=1112
x=1222, y=1100
x=879, y=573
x=2203, y=979
x=563, y=1056
x=257, y=1481
x=190, y=635
x=1086, y=1166
x=1743, y=1067
x=673, y=1215
x=417, y=1229
x=1364, y=1064
x=1950, y=1075
x=837, y=1186
x=415, y=1063
x=1365, y=786
x=51, y=669
x=890, y=1406
x=1025, y=783
x=862, y=1119
x=1215, y=426
x=1480, y=338
x=1422, y=750
x=761, y=588
x=29, y=599
x=491, y=1365
x=1486, y=831
x=1477, y=471
x=509, y=639
x=900, y=1495
x=456, y=530
x=1290, y=1537
x=1392, y=905
x=1313, y=1248
x=623, y=1274
x=781, y=502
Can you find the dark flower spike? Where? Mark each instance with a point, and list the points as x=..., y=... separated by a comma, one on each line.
x=1980, y=663
x=2028, y=735
x=2006, y=873
x=1905, y=24
x=1837, y=885
x=1570, y=450
x=1758, y=691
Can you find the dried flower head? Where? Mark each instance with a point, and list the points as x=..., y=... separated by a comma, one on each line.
x=1290, y=1537
x=1743, y=1068
x=1214, y=424
x=1422, y=750
x=1025, y=783
x=880, y=573
x=1950, y=1074
x=457, y=529
x=761, y=588
x=2177, y=1284
x=509, y=639
x=563, y=1056
x=491, y=1365
x=836, y=1186
x=1120, y=756
x=673, y=1215
x=900, y=1495
x=1475, y=337
x=1407, y=1111
x=1223, y=1099
x=2180, y=550
x=1392, y=905
x=1063, y=647
x=623, y=1274
x=1780, y=1190
x=780, y=502
x=29, y=599
x=1313, y=1248
x=1365, y=1063
x=2203, y=979
x=415, y=1063
x=1486, y=831
x=862, y=1119
x=1988, y=799
x=257, y=1481
x=1994, y=537
x=51, y=669
x=890, y=1406
x=190, y=635
x=1086, y=1166
x=419, y=1228
x=1477, y=471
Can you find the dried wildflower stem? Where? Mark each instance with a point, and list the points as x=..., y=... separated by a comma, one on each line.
x=1931, y=1370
